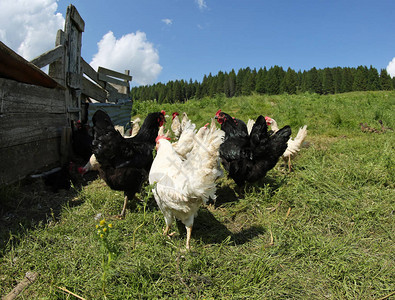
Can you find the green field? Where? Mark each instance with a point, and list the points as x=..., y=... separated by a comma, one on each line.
x=323, y=231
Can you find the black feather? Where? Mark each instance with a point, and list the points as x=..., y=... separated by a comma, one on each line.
x=250, y=157
x=124, y=162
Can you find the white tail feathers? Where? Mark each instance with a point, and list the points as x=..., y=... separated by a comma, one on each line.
x=250, y=124
x=302, y=133
x=185, y=143
x=204, y=160
x=295, y=145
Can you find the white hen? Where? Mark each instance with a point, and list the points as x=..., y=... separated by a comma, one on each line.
x=176, y=125
x=135, y=127
x=294, y=145
x=183, y=185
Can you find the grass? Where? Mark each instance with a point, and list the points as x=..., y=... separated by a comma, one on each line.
x=323, y=231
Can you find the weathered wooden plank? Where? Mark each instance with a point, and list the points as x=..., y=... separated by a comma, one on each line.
x=111, y=79
x=94, y=91
x=22, y=160
x=49, y=57
x=90, y=72
x=74, y=80
x=25, y=128
x=14, y=66
x=75, y=16
x=73, y=32
x=57, y=68
x=113, y=73
x=115, y=97
x=16, y=97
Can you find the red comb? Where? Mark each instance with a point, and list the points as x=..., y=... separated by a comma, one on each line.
x=159, y=137
x=217, y=114
x=163, y=112
x=81, y=170
x=174, y=114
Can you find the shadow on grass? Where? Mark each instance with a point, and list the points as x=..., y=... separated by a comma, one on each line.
x=233, y=193
x=211, y=231
x=31, y=203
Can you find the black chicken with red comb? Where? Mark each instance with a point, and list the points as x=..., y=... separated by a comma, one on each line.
x=125, y=162
x=248, y=157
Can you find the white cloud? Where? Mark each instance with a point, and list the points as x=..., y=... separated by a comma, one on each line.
x=391, y=68
x=131, y=52
x=201, y=3
x=29, y=27
x=167, y=21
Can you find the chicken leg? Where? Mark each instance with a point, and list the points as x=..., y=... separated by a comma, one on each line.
x=189, y=232
x=166, y=231
x=122, y=214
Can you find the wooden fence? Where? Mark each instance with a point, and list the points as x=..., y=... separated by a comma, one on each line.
x=37, y=109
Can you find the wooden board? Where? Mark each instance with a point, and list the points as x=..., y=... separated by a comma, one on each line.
x=16, y=97
x=25, y=128
x=27, y=159
x=14, y=66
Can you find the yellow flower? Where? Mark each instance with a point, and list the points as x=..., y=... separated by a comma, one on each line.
x=102, y=235
x=102, y=222
x=97, y=226
x=110, y=225
x=104, y=229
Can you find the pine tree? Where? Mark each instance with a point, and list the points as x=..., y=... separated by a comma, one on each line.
x=239, y=82
x=360, y=79
x=290, y=82
x=232, y=83
x=314, y=81
x=275, y=76
x=260, y=86
x=248, y=84
x=220, y=82
x=347, y=80
x=373, y=80
x=385, y=80
x=327, y=82
x=337, y=79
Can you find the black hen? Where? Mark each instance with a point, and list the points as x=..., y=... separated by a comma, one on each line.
x=125, y=162
x=248, y=157
x=81, y=142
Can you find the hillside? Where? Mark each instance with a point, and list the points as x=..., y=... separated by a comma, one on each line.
x=323, y=231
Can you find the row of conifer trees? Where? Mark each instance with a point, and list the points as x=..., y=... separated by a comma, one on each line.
x=271, y=81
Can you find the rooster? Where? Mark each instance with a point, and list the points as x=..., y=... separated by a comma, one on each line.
x=183, y=185
x=248, y=157
x=293, y=145
x=125, y=162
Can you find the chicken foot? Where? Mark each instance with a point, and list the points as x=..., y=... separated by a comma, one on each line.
x=166, y=231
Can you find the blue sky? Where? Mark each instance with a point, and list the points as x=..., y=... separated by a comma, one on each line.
x=162, y=40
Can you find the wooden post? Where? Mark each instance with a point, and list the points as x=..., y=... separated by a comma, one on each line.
x=74, y=26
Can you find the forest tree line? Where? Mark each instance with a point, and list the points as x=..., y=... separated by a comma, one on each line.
x=271, y=81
